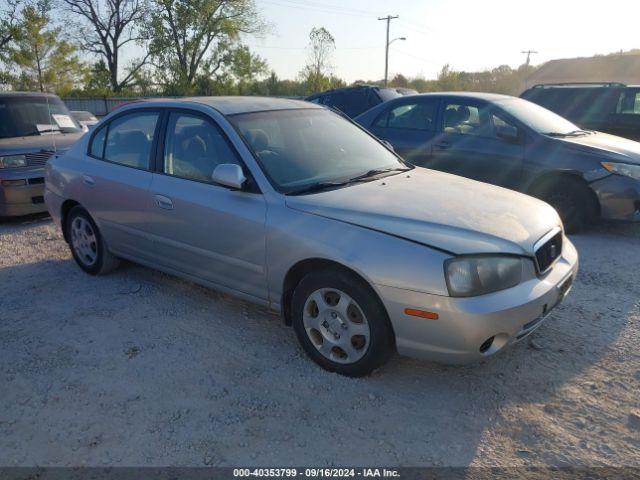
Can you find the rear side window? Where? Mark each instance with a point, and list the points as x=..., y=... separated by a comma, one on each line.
x=629, y=102
x=410, y=116
x=97, y=144
x=129, y=139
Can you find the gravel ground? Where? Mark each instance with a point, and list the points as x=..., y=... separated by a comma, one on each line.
x=141, y=368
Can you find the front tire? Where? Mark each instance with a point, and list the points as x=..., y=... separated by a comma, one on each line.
x=573, y=202
x=87, y=245
x=341, y=323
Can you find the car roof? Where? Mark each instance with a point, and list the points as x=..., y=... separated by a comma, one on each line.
x=235, y=105
x=489, y=97
x=26, y=94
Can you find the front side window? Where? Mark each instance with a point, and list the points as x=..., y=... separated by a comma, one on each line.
x=411, y=116
x=298, y=148
x=129, y=139
x=194, y=147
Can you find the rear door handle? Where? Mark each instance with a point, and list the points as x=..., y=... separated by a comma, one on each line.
x=164, y=202
x=443, y=145
x=87, y=180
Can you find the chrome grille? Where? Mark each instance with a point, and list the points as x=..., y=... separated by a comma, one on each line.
x=548, y=253
x=38, y=158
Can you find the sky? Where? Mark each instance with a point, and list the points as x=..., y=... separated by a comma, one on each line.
x=467, y=34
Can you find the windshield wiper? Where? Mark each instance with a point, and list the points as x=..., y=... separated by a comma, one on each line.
x=319, y=186
x=40, y=132
x=316, y=187
x=378, y=171
x=573, y=133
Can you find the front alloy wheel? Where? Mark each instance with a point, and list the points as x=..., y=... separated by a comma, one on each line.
x=336, y=326
x=341, y=323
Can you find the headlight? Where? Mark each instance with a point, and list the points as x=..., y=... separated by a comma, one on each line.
x=471, y=276
x=11, y=161
x=625, y=169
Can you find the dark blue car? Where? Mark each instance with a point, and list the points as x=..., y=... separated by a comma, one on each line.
x=516, y=144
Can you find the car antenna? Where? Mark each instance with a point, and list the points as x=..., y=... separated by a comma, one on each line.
x=53, y=137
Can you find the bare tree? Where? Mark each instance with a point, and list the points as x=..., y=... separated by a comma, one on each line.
x=112, y=24
x=317, y=72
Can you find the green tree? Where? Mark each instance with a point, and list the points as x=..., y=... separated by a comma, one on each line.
x=46, y=61
x=192, y=39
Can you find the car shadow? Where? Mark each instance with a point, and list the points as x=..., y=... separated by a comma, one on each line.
x=142, y=368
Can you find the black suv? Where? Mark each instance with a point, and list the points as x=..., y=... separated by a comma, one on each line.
x=355, y=100
x=606, y=107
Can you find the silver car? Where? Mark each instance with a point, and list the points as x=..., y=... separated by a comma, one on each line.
x=289, y=205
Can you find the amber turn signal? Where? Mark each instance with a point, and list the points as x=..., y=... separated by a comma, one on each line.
x=421, y=313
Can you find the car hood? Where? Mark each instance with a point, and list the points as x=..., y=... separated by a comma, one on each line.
x=610, y=146
x=440, y=210
x=57, y=142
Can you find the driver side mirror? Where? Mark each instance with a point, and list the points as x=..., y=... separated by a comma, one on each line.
x=229, y=175
x=508, y=133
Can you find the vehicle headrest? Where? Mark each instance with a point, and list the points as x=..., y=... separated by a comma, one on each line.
x=464, y=113
x=258, y=139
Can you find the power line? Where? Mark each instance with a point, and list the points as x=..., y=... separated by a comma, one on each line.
x=315, y=9
x=328, y=6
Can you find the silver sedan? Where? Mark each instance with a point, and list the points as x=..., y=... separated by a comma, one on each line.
x=289, y=205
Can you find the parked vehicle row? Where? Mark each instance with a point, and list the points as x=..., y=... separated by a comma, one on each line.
x=247, y=196
x=519, y=145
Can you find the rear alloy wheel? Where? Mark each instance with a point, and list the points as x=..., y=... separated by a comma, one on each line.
x=341, y=323
x=86, y=243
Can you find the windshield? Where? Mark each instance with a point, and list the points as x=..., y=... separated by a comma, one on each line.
x=387, y=94
x=297, y=148
x=38, y=115
x=538, y=118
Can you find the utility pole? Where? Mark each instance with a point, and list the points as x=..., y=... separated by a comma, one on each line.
x=529, y=53
x=388, y=18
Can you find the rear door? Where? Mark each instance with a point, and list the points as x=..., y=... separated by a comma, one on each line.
x=201, y=228
x=115, y=181
x=478, y=141
x=410, y=126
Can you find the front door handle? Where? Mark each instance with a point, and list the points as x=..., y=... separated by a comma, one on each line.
x=164, y=202
x=87, y=180
x=442, y=145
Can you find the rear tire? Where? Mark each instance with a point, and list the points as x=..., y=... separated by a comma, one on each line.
x=573, y=201
x=87, y=245
x=341, y=323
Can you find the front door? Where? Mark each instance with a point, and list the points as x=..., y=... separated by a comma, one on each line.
x=203, y=229
x=410, y=126
x=478, y=141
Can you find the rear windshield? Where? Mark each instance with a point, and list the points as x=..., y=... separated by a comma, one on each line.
x=23, y=116
x=387, y=94
x=85, y=116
